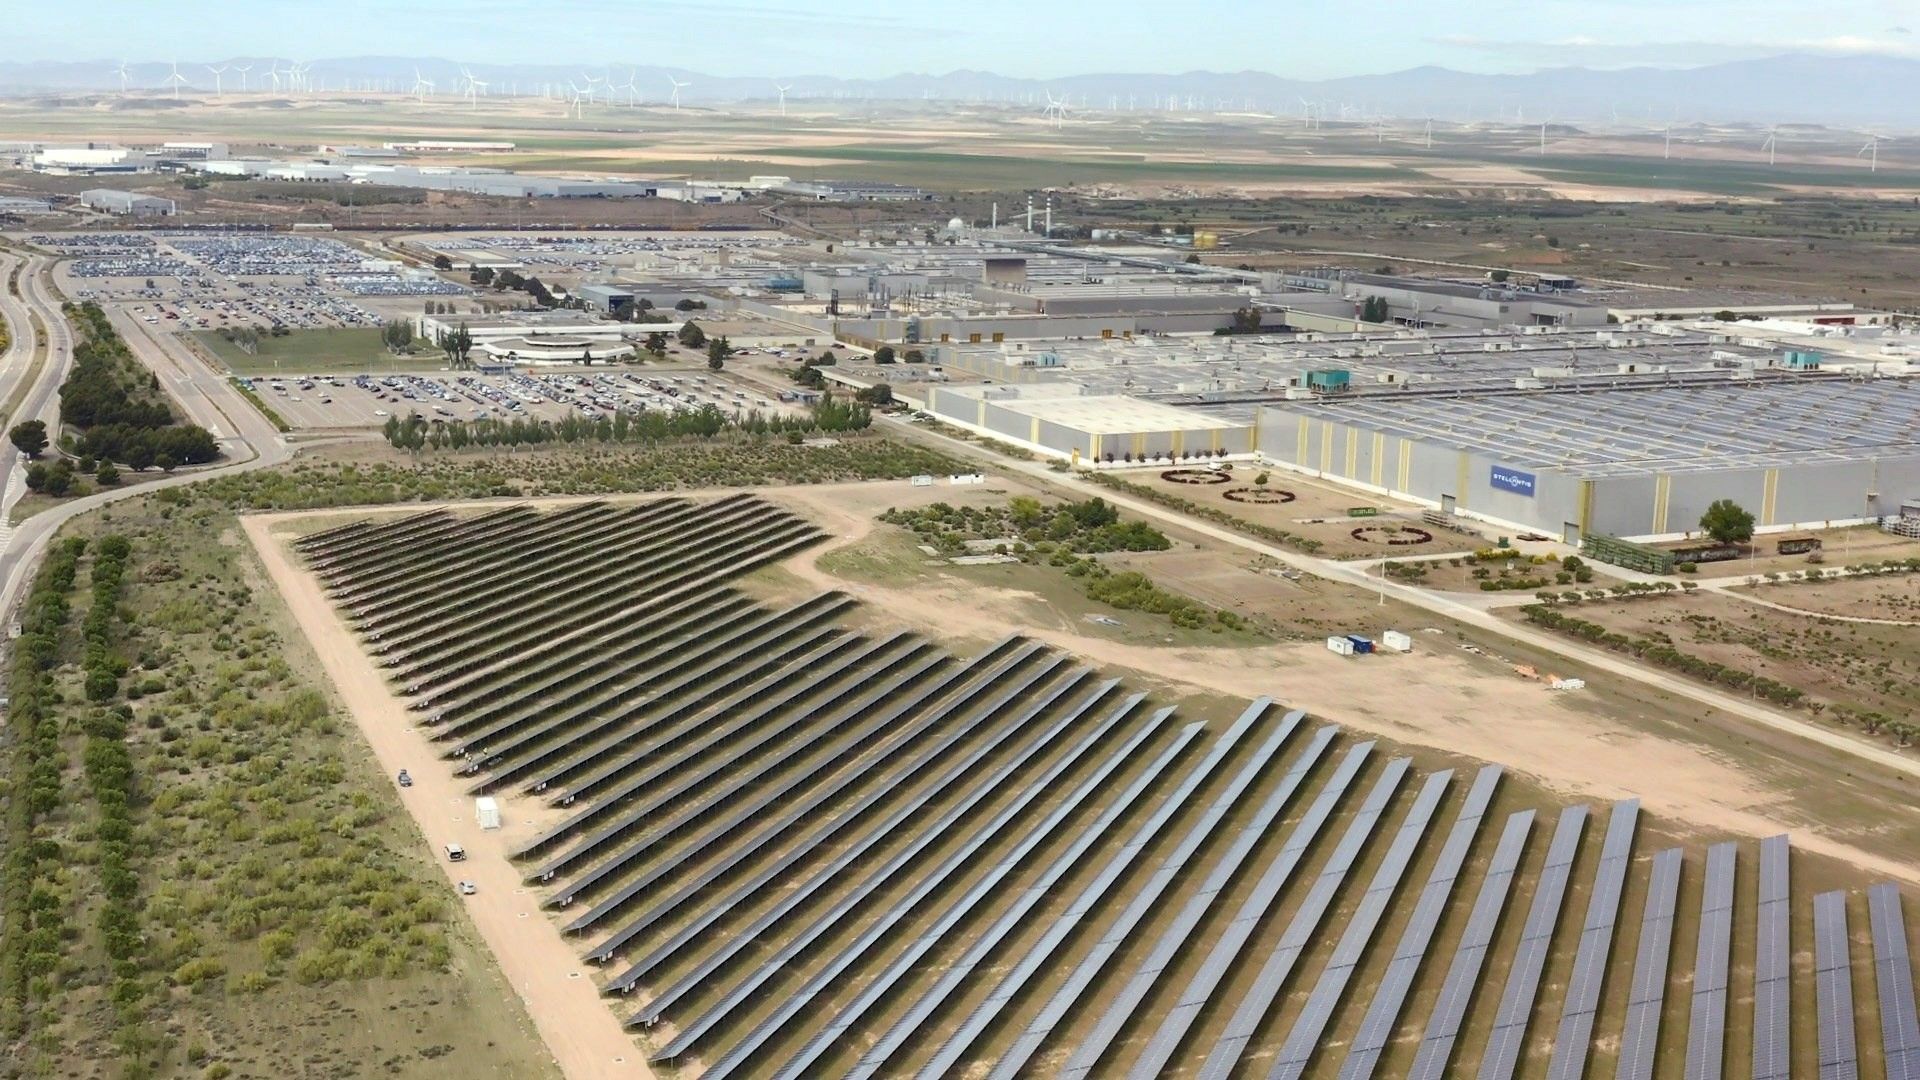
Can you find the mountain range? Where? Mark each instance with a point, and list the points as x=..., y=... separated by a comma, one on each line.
x=1795, y=88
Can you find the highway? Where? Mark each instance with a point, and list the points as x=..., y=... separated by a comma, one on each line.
x=246, y=437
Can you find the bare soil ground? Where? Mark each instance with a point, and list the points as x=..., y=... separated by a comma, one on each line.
x=1317, y=511
x=1605, y=742
x=1853, y=665
x=584, y=1036
x=1892, y=596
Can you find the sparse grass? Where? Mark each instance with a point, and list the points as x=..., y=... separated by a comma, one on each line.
x=317, y=352
x=282, y=900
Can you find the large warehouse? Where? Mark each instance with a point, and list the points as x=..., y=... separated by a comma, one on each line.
x=1633, y=462
x=1059, y=418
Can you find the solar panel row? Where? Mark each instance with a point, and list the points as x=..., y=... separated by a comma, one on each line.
x=1772, y=966
x=1640, y=1034
x=961, y=1041
x=1574, y=1040
x=1434, y=1056
x=1254, y=910
x=923, y=841
x=815, y=806
x=713, y=798
x=902, y=963
x=1171, y=943
x=1707, y=1012
x=1893, y=975
x=1833, y=988
x=1530, y=956
x=1376, y=1027
x=740, y=1053
x=1303, y=1041
x=1120, y=931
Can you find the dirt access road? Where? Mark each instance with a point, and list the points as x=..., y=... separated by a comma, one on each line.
x=583, y=1034
x=1437, y=697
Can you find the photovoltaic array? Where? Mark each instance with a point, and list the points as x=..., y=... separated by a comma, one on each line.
x=795, y=848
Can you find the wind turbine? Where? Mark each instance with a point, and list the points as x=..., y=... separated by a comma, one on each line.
x=217, y=72
x=1429, y=132
x=1871, y=152
x=783, y=97
x=122, y=72
x=590, y=81
x=632, y=91
x=677, y=87
x=474, y=87
x=175, y=79
x=243, y=75
x=1772, y=145
x=422, y=86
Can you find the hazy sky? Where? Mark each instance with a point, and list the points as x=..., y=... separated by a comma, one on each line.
x=1034, y=38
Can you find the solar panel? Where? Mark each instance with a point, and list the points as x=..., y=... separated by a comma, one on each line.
x=1640, y=1035
x=902, y=963
x=718, y=909
x=693, y=1030
x=1121, y=930
x=1772, y=967
x=1167, y=948
x=961, y=1041
x=797, y=1001
x=1530, y=956
x=872, y=660
x=1299, y=933
x=811, y=808
x=1376, y=1027
x=1309, y=1028
x=1833, y=988
x=1574, y=1040
x=724, y=796
x=1893, y=975
x=1434, y=1055
x=1707, y=1021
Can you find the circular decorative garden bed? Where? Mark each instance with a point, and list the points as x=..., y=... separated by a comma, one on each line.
x=1195, y=476
x=1260, y=495
x=1393, y=535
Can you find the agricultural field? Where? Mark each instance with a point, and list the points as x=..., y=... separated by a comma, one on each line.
x=218, y=883
x=790, y=832
x=318, y=352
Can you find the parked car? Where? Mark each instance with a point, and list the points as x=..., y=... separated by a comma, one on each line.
x=456, y=853
x=468, y=888
x=406, y=779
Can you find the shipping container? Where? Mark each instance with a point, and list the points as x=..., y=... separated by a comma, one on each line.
x=486, y=811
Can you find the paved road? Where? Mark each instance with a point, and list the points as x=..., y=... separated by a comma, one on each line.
x=249, y=440
x=1614, y=664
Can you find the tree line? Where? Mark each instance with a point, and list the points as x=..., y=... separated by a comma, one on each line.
x=415, y=432
x=116, y=406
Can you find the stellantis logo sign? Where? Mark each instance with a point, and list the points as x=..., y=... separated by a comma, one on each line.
x=1520, y=483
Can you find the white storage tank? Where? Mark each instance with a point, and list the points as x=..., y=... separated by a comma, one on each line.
x=486, y=811
x=1395, y=641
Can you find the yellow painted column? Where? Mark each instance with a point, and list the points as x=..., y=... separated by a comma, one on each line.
x=1770, y=497
x=1379, y=457
x=1033, y=431
x=1300, y=455
x=1586, y=507
x=1326, y=446
x=1662, y=495
x=1096, y=447
x=1406, y=465
x=1353, y=453
x=1179, y=442
x=1460, y=481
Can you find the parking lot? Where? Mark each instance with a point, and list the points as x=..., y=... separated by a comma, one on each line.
x=348, y=401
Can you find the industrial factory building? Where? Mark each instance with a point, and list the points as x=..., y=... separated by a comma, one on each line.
x=126, y=203
x=1059, y=419
x=1797, y=451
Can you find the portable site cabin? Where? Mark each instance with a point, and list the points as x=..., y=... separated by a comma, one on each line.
x=486, y=811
